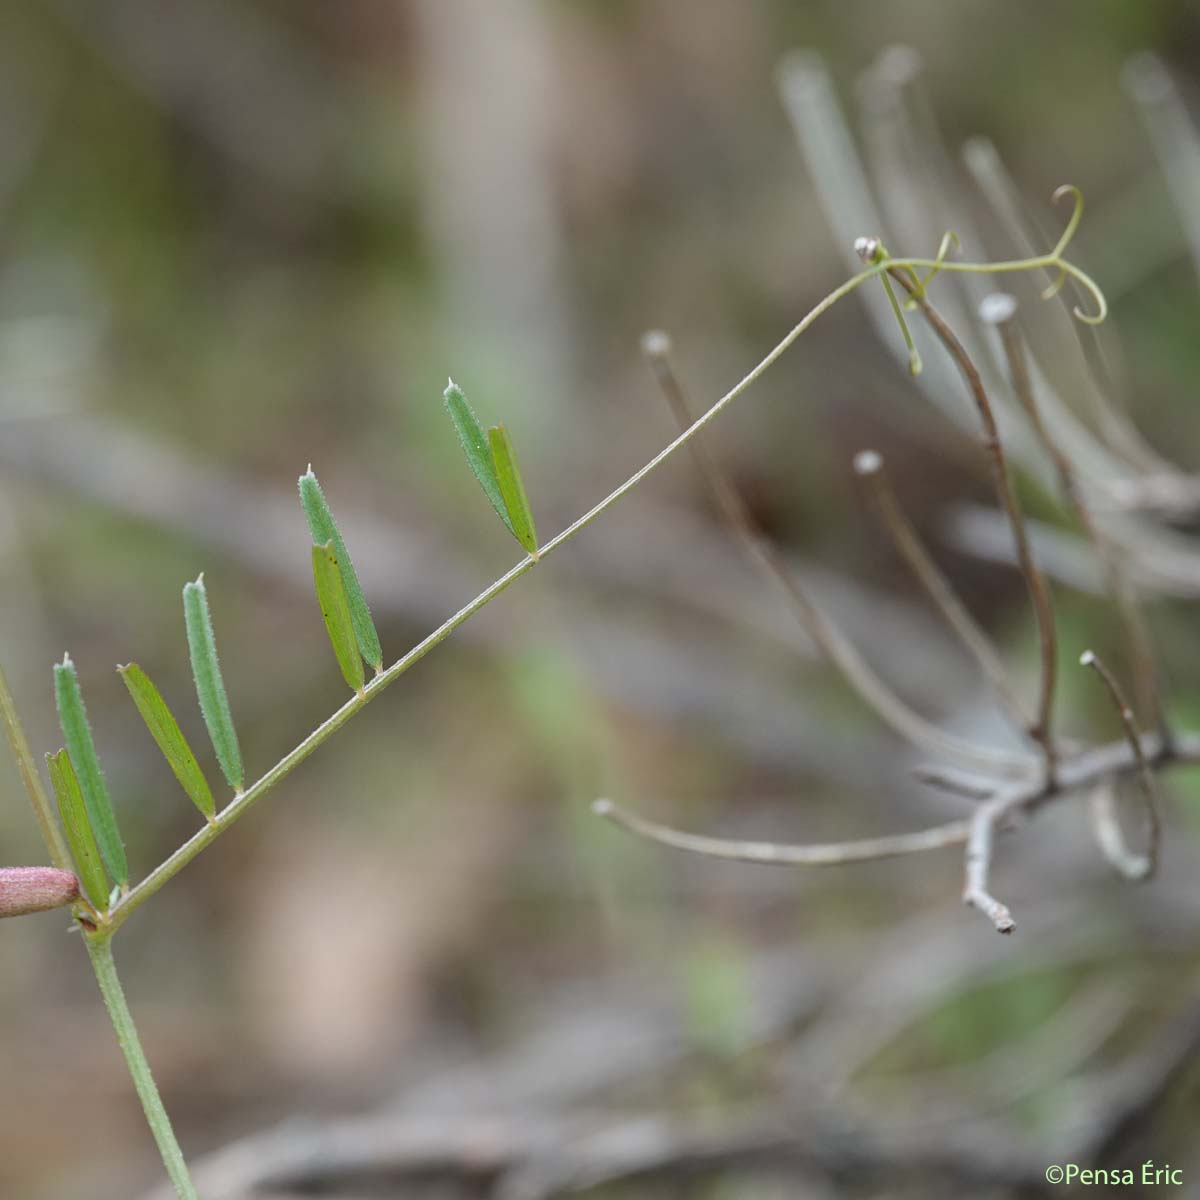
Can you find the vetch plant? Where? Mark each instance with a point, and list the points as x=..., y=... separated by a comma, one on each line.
x=494, y=463
x=166, y=732
x=89, y=872
x=326, y=533
x=82, y=757
x=84, y=851
x=210, y=686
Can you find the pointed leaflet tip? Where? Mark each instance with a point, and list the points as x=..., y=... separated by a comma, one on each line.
x=475, y=446
x=324, y=529
x=77, y=733
x=210, y=686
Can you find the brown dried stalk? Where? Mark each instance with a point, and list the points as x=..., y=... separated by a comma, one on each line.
x=869, y=465
x=1000, y=310
x=1035, y=583
x=1144, y=771
x=836, y=646
x=1082, y=773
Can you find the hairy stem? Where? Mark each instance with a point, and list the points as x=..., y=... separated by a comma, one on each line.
x=47, y=822
x=100, y=950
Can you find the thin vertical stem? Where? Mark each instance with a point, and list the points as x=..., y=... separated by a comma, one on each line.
x=1106, y=825
x=1145, y=770
x=100, y=950
x=869, y=465
x=42, y=810
x=1035, y=583
x=825, y=632
x=1003, y=310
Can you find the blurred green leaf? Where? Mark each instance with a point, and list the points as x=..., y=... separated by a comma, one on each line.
x=335, y=608
x=716, y=995
x=80, y=838
x=210, y=686
x=77, y=732
x=166, y=732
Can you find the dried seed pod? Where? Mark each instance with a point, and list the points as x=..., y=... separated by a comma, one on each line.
x=35, y=889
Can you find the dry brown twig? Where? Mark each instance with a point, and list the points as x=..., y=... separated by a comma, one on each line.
x=999, y=801
x=1035, y=583
x=1144, y=772
x=869, y=465
x=1000, y=309
x=819, y=626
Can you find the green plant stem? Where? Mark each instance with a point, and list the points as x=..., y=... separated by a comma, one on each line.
x=42, y=810
x=171, y=866
x=100, y=951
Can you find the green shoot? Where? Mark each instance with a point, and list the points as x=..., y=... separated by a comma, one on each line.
x=335, y=609
x=324, y=529
x=166, y=732
x=512, y=489
x=77, y=733
x=210, y=686
x=80, y=838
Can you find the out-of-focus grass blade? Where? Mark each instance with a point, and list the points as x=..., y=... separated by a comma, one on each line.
x=77, y=733
x=476, y=448
x=166, y=732
x=210, y=687
x=512, y=489
x=335, y=608
x=80, y=838
x=324, y=529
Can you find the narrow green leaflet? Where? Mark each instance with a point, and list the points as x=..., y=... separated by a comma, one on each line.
x=80, y=838
x=77, y=733
x=166, y=732
x=475, y=447
x=335, y=608
x=324, y=529
x=512, y=489
x=210, y=687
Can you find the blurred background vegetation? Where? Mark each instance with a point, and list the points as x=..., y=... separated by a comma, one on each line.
x=236, y=238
